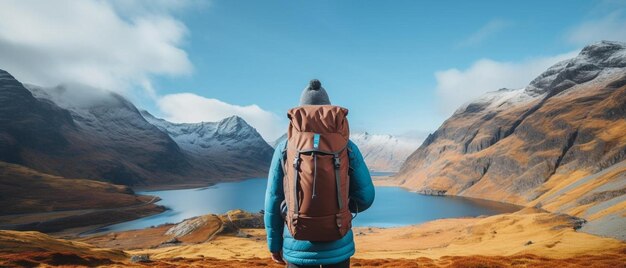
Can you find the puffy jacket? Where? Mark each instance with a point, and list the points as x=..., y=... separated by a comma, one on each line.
x=306, y=252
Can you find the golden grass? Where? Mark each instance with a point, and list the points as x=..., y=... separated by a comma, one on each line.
x=24, y=190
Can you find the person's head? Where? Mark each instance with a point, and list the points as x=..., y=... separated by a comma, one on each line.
x=314, y=94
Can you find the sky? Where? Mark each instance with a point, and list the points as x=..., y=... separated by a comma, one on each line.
x=400, y=67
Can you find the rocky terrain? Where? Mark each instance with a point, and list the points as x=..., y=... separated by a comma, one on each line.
x=191, y=231
x=80, y=132
x=384, y=152
x=558, y=143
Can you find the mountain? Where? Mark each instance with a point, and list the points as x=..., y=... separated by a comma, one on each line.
x=80, y=132
x=28, y=126
x=558, y=144
x=230, y=146
x=384, y=152
x=110, y=140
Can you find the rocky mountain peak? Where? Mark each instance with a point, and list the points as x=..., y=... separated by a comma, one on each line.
x=233, y=124
x=596, y=60
x=592, y=61
x=608, y=53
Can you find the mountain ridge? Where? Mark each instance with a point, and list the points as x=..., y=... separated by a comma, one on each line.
x=230, y=142
x=384, y=152
x=522, y=145
x=76, y=131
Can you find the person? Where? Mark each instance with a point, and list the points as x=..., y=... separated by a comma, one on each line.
x=301, y=253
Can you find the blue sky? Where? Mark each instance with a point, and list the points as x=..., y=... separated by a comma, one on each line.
x=399, y=66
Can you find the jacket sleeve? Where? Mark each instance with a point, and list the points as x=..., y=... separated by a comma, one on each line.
x=274, y=195
x=361, y=186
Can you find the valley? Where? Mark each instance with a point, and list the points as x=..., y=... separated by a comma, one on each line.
x=555, y=150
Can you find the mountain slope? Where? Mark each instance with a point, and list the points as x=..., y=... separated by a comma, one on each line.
x=24, y=190
x=112, y=140
x=545, y=145
x=31, y=200
x=28, y=126
x=80, y=132
x=384, y=152
x=230, y=146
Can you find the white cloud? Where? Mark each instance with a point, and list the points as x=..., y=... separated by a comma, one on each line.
x=191, y=108
x=492, y=27
x=611, y=27
x=456, y=87
x=114, y=45
x=90, y=42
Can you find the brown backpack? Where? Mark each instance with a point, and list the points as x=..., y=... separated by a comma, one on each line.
x=316, y=179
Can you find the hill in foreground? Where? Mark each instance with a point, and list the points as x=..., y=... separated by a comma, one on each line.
x=31, y=200
x=531, y=238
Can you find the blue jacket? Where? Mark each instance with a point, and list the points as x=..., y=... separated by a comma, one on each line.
x=302, y=252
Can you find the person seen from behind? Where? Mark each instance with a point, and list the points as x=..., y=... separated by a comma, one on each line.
x=317, y=180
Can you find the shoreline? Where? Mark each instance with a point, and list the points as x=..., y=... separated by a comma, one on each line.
x=189, y=185
x=62, y=223
x=498, y=207
x=386, y=181
x=503, y=205
x=529, y=231
x=529, y=236
x=379, y=181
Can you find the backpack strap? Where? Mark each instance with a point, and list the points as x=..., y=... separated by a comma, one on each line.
x=296, y=166
x=283, y=158
x=337, y=163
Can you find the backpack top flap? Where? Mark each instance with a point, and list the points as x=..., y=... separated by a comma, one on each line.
x=327, y=120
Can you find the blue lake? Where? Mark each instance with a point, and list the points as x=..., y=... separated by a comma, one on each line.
x=392, y=207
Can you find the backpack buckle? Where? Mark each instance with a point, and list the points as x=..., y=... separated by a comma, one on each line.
x=337, y=161
x=296, y=162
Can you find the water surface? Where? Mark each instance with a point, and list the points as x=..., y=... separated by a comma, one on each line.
x=392, y=207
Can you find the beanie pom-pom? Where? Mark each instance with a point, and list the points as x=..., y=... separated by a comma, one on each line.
x=315, y=84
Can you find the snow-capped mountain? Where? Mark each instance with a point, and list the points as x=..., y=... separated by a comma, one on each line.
x=558, y=143
x=75, y=131
x=384, y=152
x=112, y=141
x=595, y=65
x=231, y=142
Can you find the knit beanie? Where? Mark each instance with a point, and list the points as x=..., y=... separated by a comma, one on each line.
x=314, y=94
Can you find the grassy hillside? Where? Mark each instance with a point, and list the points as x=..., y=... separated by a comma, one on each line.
x=558, y=144
x=528, y=238
x=31, y=200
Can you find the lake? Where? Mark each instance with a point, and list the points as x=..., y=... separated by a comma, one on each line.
x=393, y=206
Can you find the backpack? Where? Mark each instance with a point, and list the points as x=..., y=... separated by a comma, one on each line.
x=315, y=163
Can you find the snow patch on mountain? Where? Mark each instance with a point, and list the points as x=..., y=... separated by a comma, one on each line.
x=101, y=113
x=384, y=152
x=595, y=64
x=210, y=138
